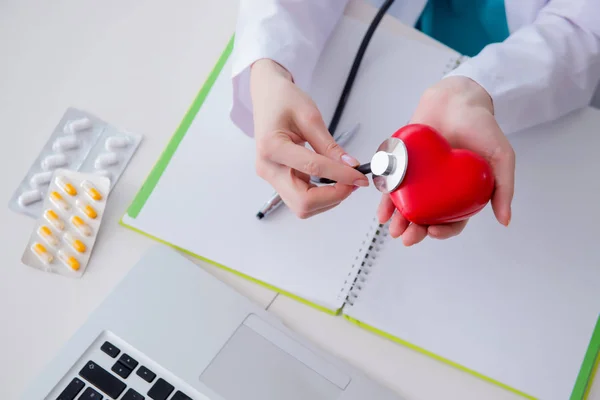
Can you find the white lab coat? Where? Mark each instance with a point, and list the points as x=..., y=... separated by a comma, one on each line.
x=548, y=67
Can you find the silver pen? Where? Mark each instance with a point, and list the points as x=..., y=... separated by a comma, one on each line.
x=271, y=205
x=275, y=200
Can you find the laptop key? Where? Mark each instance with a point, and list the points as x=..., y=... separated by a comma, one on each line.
x=90, y=394
x=71, y=390
x=145, y=374
x=121, y=370
x=132, y=395
x=180, y=396
x=110, y=349
x=161, y=390
x=128, y=361
x=102, y=379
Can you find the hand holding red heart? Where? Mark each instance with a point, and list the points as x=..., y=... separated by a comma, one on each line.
x=462, y=111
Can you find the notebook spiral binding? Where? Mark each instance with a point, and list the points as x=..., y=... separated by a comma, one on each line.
x=364, y=261
x=375, y=237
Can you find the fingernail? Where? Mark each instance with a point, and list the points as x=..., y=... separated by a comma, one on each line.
x=351, y=161
x=509, y=217
x=361, y=182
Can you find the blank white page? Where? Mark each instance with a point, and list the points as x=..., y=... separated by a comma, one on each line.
x=208, y=196
x=516, y=304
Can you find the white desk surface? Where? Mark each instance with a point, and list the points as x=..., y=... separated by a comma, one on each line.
x=139, y=65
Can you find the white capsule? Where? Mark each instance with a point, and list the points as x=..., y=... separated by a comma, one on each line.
x=29, y=197
x=104, y=173
x=43, y=254
x=65, y=143
x=47, y=235
x=66, y=186
x=52, y=217
x=69, y=260
x=114, y=143
x=41, y=179
x=91, y=191
x=75, y=243
x=54, y=161
x=81, y=226
x=78, y=125
x=59, y=201
x=106, y=160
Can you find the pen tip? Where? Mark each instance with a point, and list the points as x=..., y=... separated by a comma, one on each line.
x=260, y=215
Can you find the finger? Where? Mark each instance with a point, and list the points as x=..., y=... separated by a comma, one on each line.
x=321, y=211
x=313, y=129
x=306, y=179
x=414, y=234
x=304, y=160
x=398, y=225
x=503, y=165
x=319, y=197
x=304, y=198
x=501, y=157
x=386, y=209
x=446, y=231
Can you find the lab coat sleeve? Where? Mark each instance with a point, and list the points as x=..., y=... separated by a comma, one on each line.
x=293, y=33
x=544, y=70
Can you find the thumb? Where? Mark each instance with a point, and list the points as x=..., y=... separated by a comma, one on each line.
x=315, y=132
x=503, y=165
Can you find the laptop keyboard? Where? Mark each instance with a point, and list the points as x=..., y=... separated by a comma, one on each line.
x=95, y=382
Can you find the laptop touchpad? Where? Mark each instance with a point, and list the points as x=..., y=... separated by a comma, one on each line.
x=260, y=362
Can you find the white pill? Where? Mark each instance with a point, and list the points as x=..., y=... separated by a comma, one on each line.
x=54, y=161
x=65, y=143
x=30, y=197
x=78, y=125
x=106, y=160
x=104, y=173
x=41, y=179
x=116, y=142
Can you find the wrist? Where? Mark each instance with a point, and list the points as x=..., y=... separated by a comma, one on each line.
x=473, y=92
x=268, y=67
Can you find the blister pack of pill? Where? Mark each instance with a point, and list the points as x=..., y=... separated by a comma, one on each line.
x=113, y=151
x=80, y=142
x=64, y=235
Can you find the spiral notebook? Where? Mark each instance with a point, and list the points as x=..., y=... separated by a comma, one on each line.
x=464, y=308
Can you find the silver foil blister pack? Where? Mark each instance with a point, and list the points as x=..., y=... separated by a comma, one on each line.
x=80, y=142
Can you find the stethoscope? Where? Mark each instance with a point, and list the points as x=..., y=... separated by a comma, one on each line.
x=388, y=165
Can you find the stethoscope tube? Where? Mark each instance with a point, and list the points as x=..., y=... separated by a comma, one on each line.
x=337, y=115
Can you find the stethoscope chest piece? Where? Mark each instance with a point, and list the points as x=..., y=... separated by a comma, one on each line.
x=389, y=165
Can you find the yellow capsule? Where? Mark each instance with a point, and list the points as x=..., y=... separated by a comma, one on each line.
x=47, y=235
x=42, y=253
x=87, y=209
x=81, y=226
x=68, y=260
x=75, y=243
x=58, y=201
x=66, y=186
x=53, y=218
x=91, y=191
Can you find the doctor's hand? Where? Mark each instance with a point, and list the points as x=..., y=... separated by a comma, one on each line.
x=285, y=119
x=462, y=111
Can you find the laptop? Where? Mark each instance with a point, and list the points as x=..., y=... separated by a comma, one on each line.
x=172, y=331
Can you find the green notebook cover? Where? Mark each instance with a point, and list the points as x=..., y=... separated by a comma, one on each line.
x=591, y=360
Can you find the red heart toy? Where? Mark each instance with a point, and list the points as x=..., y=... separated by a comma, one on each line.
x=441, y=184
